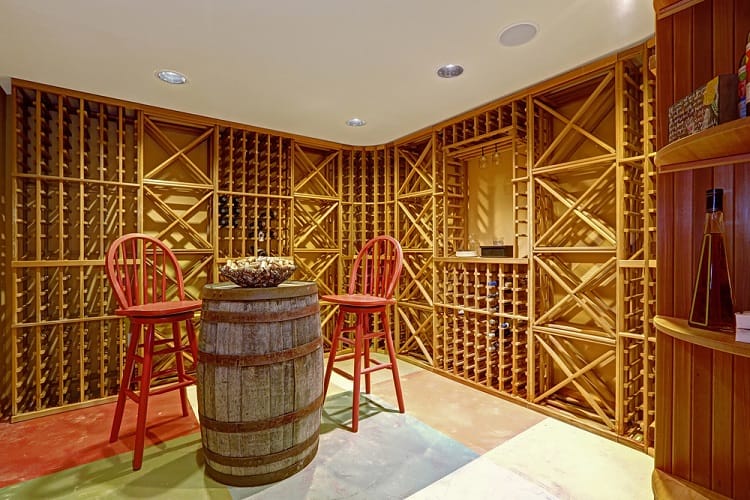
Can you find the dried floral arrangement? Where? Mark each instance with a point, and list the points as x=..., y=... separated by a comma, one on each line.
x=258, y=272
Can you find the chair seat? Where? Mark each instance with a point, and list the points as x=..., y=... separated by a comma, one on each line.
x=161, y=309
x=358, y=300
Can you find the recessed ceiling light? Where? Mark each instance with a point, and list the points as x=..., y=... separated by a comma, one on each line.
x=518, y=34
x=173, y=77
x=356, y=122
x=450, y=71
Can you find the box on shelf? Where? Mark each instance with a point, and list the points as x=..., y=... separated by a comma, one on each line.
x=743, y=326
x=743, y=320
x=497, y=251
x=707, y=106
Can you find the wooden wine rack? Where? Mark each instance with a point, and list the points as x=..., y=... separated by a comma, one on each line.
x=577, y=295
x=582, y=163
x=75, y=188
x=482, y=322
x=254, y=195
x=415, y=223
x=317, y=221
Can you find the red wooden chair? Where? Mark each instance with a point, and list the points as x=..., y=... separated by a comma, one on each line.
x=141, y=270
x=371, y=285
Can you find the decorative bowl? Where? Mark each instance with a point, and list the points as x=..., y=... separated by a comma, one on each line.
x=258, y=272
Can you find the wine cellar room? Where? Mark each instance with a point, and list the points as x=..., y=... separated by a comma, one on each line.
x=550, y=241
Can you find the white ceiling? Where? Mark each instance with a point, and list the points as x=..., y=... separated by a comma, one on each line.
x=306, y=66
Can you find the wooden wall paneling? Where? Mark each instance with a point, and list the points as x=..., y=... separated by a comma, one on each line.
x=741, y=446
x=682, y=362
x=722, y=424
x=741, y=240
x=741, y=20
x=699, y=389
x=701, y=425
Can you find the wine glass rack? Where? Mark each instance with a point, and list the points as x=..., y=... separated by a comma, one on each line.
x=565, y=325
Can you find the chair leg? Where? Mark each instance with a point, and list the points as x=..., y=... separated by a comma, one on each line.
x=127, y=377
x=392, y=356
x=140, y=430
x=365, y=321
x=358, y=345
x=177, y=339
x=192, y=340
x=332, y=352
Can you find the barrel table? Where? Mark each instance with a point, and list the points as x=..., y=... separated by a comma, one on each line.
x=260, y=381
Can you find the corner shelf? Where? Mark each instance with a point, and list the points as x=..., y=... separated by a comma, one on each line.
x=679, y=329
x=667, y=486
x=719, y=145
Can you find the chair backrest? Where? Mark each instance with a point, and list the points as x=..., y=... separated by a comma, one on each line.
x=377, y=267
x=142, y=270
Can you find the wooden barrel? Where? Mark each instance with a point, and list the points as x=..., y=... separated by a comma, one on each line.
x=260, y=381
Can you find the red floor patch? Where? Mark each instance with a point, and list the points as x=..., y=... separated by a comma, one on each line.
x=56, y=442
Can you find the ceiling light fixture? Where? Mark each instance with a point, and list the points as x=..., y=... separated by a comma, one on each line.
x=356, y=122
x=450, y=71
x=518, y=34
x=172, y=77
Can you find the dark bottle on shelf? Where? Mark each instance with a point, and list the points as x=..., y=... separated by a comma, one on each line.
x=712, y=306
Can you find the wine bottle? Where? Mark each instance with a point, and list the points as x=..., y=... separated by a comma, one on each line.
x=712, y=306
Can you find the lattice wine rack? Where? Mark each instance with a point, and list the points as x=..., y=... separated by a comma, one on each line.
x=415, y=227
x=482, y=322
x=254, y=195
x=316, y=221
x=75, y=190
x=564, y=325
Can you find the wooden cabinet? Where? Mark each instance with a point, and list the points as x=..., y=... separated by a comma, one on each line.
x=703, y=383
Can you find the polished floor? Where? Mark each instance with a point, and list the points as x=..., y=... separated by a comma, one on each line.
x=453, y=442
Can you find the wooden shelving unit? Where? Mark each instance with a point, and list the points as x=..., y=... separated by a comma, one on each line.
x=76, y=185
x=577, y=296
x=317, y=221
x=584, y=221
x=702, y=376
x=719, y=145
x=482, y=322
x=418, y=215
x=718, y=341
x=253, y=195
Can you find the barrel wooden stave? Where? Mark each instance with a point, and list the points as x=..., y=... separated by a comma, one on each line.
x=251, y=394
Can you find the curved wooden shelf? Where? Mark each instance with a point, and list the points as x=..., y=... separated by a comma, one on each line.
x=667, y=486
x=719, y=145
x=679, y=329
